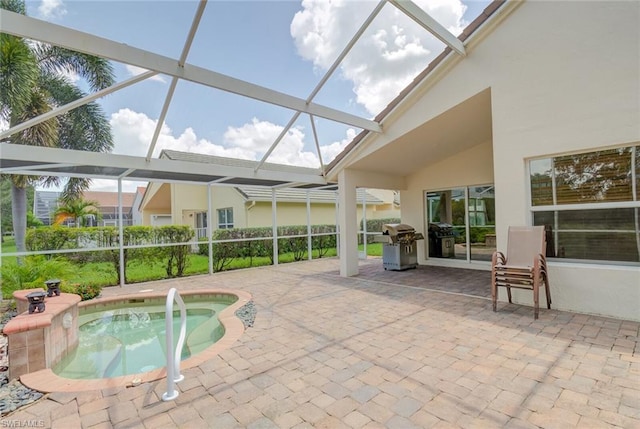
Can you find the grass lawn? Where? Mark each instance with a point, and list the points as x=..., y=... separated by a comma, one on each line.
x=8, y=246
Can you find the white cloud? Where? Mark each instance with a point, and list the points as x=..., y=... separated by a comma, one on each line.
x=329, y=152
x=133, y=132
x=51, y=9
x=107, y=185
x=135, y=71
x=390, y=54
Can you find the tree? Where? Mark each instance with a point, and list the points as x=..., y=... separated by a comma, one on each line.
x=33, y=82
x=79, y=210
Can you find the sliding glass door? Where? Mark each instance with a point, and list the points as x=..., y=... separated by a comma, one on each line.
x=461, y=223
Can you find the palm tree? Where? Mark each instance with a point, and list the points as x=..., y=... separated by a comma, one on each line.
x=33, y=82
x=79, y=210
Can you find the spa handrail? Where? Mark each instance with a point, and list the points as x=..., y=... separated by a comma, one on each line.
x=173, y=356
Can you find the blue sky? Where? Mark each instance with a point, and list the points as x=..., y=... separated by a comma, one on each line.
x=283, y=45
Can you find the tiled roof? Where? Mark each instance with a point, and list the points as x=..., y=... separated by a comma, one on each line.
x=109, y=199
x=257, y=193
x=233, y=162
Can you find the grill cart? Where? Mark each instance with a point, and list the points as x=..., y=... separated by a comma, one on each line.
x=399, y=250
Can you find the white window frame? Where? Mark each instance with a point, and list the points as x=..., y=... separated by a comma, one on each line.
x=555, y=207
x=226, y=224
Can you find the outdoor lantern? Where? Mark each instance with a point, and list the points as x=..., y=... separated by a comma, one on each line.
x=53, y=287
x=36, y=301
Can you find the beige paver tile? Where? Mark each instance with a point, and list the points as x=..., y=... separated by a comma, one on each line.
x=190, y=395
x=63, y=397
x=66, y=422
x=70, y=408
x=310, y=413
x=224, y=421
x=341, y=407
x=330, y=422
x=356, y=419
x=375, y=412
x=287, y=420
x=98, y=404
x=245, y=414
x=122, y=411
x=555, y=418
x=278, y=408
x=93, y=419
x=158, y=421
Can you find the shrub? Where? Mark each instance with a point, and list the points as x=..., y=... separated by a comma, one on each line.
x=32, y=273
x=176, y=254
x=87, y=291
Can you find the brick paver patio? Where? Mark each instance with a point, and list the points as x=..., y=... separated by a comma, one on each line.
x=383, y=349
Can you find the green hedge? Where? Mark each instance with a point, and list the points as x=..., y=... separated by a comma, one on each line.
x=60, y=238
x=375, y=225
x=258, y=242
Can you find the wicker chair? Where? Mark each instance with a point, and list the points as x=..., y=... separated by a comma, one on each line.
x=524, y=267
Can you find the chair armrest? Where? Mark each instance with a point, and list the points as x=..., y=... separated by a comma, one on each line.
x=498, y=258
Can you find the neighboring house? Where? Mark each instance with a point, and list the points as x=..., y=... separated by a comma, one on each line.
x=108, y=207
x=136, y=215
x=538, y=124
x=249, y=206
x=47, y=202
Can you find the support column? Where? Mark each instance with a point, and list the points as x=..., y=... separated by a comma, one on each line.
x=121, y=234
x=274, y=225
x=209, y=228
x=348, y=221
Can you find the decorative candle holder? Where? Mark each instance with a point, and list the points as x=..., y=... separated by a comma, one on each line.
x=36, y=301
x=53, y=287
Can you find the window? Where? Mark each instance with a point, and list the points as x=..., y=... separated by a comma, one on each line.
x=225, y=218
x=201, y=225
x=589, y=204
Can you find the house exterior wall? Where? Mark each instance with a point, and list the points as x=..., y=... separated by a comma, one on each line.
x=587, y=96
x=383, y=211
x=563, y=78
x=187, y=200
x=291, y=214
x=225, y=197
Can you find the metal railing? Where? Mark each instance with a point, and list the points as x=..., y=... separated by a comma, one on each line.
x=174, y=355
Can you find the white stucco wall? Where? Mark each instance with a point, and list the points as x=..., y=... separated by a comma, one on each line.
x=569, y=85
x=564, y=77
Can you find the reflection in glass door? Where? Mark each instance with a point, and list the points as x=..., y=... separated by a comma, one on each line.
x=446, y=224
x=482, y=224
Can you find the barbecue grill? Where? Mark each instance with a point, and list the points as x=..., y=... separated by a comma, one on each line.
x=441, y=240
x=399, y=250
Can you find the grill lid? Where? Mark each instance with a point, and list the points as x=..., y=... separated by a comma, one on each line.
x=396, y=228
x=400, y=233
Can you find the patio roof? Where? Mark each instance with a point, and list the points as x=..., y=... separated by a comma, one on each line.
x=19, y=159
